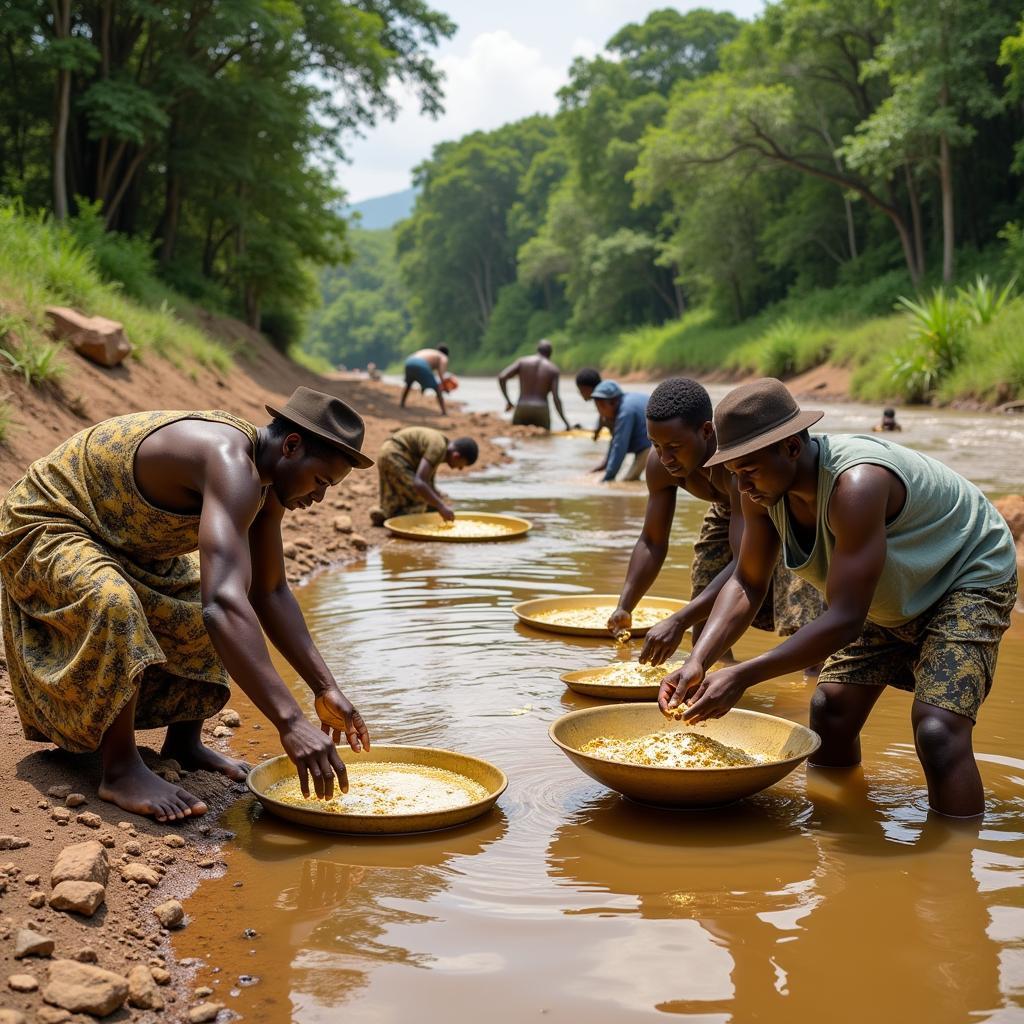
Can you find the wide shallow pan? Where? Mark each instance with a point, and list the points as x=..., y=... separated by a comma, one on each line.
x=264, y=775
x=784, y=743
x=527, y=610
x=589, y=682
x=409, y=526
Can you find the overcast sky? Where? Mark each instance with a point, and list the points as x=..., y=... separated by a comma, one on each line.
x=506, y=61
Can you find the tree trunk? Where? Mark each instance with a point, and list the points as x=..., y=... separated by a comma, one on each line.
x=62, y=30
x=946, y=183
x=171, y=217
x=915, y=216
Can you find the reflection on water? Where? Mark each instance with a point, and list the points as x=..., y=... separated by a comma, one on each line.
x=832, y=894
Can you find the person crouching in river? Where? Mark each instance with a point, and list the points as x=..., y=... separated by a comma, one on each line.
x=111, y=624
x=406, y=466
x=918, y=570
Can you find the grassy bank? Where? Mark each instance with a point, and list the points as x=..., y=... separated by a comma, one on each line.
x=44, y=264
x=893, y=355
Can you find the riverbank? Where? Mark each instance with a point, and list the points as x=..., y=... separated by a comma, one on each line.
x=50, y=799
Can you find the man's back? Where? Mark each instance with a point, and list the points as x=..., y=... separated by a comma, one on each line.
x=537, y=378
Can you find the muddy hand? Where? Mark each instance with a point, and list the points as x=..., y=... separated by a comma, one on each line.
x=662, y=640
x=676, y=685
x=314, y=754
x=716, y=695
x=337, y=716
x=446, y=513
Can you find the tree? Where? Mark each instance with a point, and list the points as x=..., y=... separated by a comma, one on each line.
x=938, y=59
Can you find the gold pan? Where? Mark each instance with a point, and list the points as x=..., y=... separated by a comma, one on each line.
x=276, y=769
x=590, y=682
x=528, y=610
x=415, y=526
x=783, y=743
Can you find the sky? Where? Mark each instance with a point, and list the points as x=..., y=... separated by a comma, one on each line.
x=506, y=61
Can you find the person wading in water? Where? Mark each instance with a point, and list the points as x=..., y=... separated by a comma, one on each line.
x=683, y=437
x=918, y=570
x=111, y=624
x=538, y=378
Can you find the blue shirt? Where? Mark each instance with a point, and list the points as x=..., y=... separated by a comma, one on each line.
x=629, y=434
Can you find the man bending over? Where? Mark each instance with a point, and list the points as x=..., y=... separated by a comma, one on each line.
x=111, y=623
x=917, y=567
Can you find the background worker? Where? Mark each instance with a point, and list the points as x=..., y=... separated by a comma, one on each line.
x=428, y=368
x=626, y=411
x=586, y=380
x=538, y=378
x=406, y=466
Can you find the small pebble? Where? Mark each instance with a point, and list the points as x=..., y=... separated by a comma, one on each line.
x=75, y=800
x=23, y=983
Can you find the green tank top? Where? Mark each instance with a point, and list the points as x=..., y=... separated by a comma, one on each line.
x=948, y=535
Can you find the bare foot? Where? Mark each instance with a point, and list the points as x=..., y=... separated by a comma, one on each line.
x=136, y=789
x=196, y=756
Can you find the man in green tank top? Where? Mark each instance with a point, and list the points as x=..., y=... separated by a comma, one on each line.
x=111, y=623
x=919, y=575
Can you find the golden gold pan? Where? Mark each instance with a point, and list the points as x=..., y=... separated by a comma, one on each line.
x=264, y=775
x=410, y=526
x=588, y=681
x=784, y=743
x=527, y=610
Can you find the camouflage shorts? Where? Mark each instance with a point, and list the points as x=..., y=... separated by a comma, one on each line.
x=790, y=602
x=946, y=657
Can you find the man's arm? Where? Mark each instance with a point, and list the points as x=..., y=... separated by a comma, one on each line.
x=651, y=546
x=442, y=365
x=423, y=482
x=282, y=621
x=856, y=513
x=616, y=450
x=663, y=639
x=503, y=378
x=557, y=399
x=230, y=500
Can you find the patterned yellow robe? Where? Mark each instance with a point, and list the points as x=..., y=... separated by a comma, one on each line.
x=100, y=591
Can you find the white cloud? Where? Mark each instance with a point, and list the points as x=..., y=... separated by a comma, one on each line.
x=496, y=80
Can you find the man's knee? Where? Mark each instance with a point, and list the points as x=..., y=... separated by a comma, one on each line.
x=942, y=738
x=829, y=706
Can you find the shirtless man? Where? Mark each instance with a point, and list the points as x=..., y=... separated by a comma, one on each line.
x=538, y=378
x=426, y=367
x=110, y=625
x=917, y=566
x=683, y=438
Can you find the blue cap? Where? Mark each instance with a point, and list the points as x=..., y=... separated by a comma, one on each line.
x=607, y=389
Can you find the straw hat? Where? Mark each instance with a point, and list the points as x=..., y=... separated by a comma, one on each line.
x=328, y=418
x=756, y=415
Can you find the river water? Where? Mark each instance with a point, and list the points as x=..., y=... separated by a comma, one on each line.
x=832, y=895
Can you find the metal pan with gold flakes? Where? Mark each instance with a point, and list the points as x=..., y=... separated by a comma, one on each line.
x=467, y=527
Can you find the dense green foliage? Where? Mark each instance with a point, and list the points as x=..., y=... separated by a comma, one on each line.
x=774, y=182
x=363, y=318
x=205, y=132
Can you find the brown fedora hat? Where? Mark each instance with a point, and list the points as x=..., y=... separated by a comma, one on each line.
x=329, y=419
x=756, y=415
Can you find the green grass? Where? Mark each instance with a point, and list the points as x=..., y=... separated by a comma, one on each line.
x=44, y=264
x=896, y=351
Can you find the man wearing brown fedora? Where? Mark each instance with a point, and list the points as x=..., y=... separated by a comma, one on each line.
x=111, y=623
x=919, y=575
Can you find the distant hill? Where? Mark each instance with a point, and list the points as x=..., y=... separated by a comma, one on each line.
x=384, y=211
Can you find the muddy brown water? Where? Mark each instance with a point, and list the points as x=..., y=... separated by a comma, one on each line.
x=832, y=895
